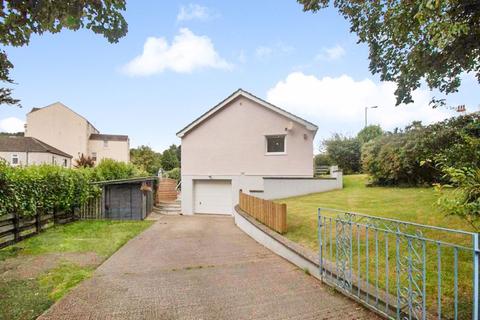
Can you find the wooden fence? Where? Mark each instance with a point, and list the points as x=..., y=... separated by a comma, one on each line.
x=271, y=214
x=92, y=210
x=14, y=228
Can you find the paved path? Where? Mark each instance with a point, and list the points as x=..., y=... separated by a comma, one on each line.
x=201, y=267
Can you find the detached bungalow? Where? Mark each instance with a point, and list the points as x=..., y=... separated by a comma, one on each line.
x=245, y=143
x=19, y=150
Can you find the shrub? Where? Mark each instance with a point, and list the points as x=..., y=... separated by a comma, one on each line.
x=344, y=152
x=174, y=174
x=42, y=189
x=413, y=156
x=109, y=169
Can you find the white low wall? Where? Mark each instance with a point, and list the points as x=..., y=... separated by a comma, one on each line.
x=277, y=188
x=275, y=245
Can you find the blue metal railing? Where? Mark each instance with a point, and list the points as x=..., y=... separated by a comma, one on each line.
x=402, y=270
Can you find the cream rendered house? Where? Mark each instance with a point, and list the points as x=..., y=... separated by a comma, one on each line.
x=25, y=151
x=66, y=130
x=245, y=143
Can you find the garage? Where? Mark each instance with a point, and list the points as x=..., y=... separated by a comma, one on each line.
x=212, y=196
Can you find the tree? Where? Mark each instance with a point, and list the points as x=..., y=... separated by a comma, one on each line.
x=369, y=133
x=344, y=152
x=169, y=160
x=84, y=162
x=21, y=19
x=414, y=40
x=146, y=159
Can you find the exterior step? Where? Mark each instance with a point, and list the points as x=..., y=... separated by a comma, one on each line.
x=169, y=208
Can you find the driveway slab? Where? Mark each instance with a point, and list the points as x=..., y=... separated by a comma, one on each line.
x=201, y=267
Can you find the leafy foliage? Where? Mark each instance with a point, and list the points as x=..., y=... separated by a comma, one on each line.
x=369, y=133
x=170, y=158
x=44, y=188
x=174, y=174
x=146, y=159
x=414, y=40
x=109, y=169
x=415, y=155
x=322, y=159
x=20, y=19
x=84, y=162
x=464, y=200
x=344, y=152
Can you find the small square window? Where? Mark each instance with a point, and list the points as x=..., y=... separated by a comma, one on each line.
x=276, y=144
x=15, y=159
x=105, y=143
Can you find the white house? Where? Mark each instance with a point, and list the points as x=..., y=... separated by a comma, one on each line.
x=245, y=143
x=24, y=151
x=66, y=130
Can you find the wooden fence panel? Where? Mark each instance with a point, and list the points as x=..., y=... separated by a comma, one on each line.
x=14, y=228
x=271, y=214
x=92, y=210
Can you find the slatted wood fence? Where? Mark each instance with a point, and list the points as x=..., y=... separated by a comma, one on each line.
x=271, y=214
x=14, y=228
x=91, y=210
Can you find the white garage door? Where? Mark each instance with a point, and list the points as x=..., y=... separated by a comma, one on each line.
x=213, y=196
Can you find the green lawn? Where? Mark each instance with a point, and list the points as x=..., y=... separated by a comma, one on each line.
x=408, y=204
x=63, y=257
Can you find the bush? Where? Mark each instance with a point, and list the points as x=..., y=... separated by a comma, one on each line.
x=42, y=189
x=344, y=152
x=174, y=174
x=109, y=169
x=415, y=155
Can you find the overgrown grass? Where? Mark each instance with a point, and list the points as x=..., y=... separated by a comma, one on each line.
x=28, y=298
x=409, y=204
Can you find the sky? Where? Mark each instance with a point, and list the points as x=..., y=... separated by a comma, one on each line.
x=181, y=58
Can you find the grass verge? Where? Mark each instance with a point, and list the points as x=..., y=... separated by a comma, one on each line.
x=27, y=297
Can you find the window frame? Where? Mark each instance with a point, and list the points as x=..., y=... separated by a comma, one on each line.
x=94, y=156
x=15, y=156
x=280, y=153
x=105, y=143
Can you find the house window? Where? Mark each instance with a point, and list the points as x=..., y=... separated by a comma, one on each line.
x=105, y=143
x=276, y=144
x=94, y=156
x=15, y=159
x=65, y=163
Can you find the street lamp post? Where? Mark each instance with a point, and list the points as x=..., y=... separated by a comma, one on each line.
x=366, y=111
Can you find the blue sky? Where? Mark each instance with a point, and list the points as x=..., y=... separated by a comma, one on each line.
x=180, y=58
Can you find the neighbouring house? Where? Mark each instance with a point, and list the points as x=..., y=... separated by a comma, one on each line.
x=66, y=130
x=24, y=151
x=245, y=143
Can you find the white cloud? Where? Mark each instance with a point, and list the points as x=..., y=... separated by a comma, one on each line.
x=194, y=12
x=12, y=125
x=333, y=53
x=186, y=53
x=338, y=104
x=279, y=48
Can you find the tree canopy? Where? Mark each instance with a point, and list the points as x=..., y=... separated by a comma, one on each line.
x=20, y=19
x=411, y=41
x=145, y=158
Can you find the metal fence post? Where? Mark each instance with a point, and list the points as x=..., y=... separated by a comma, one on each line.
x=476, y=275
x=320, y=244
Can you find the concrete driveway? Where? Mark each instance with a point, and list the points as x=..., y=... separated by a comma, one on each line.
x=201, y=267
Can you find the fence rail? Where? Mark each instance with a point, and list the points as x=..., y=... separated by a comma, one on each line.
x=92, y=209
x=402, y=270
x=271, y=214
x=14, y=228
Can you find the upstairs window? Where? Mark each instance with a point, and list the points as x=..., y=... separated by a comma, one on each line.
x=15, y=159
x=94, y=156
x=105, y=143
x=276, y=144
x=65, y=163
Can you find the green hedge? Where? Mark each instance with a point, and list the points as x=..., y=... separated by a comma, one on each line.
x=417, y=154
x=44, y=188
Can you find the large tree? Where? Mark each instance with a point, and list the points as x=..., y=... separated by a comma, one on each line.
x=19, y=19
x=411, y=41
x=146, y=159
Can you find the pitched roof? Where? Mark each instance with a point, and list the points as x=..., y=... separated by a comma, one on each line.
x=109, y=137
x=27, y=144
x=59, y=103
x=245, y=94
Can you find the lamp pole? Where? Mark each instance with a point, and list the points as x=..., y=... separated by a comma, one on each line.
x=366, y=112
